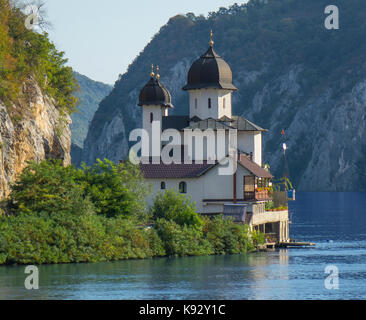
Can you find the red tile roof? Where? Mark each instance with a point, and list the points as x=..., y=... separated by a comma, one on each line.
x=254, y=168
x=156, y=171
x=194, y=170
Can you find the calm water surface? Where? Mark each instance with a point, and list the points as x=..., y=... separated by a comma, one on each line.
x=335, y=221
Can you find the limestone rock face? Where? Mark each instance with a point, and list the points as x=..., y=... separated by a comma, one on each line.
x=325, y=132
x=39, y=133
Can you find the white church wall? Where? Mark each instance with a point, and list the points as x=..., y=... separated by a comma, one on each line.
x=251, y=142
x=208, y=152
x=156, y=112
x=257, y=156
x=194, y=189
x=210, y=186
x=217, y=110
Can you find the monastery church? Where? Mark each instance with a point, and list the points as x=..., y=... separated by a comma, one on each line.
x=210, y=88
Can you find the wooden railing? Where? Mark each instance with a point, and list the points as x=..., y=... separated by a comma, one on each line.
x=258, y=195
x=262, y=195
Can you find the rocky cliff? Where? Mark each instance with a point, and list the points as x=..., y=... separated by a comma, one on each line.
x=292, y=74
x=39, y=133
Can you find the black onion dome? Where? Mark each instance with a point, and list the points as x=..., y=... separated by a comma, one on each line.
x=210, y=71
x=154, y=93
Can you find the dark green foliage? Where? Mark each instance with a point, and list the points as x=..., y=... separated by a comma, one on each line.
x=45, y=187
x=25, y=54
x=89, y=96
x=176, y=207
x=64, y=215
x=106, y=186
x=269, y=205
x=68, y=238
x=116, y=190
x=226, y=237
x=50, y=187
x=182, y=240
x=258, y=238
x=217, y=236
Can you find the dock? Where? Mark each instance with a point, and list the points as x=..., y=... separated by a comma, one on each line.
x=282, y=245
x=294, y=244
x=266, y=246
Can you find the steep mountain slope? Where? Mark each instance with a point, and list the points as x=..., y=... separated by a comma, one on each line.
x=90, y=94
x=292, y=74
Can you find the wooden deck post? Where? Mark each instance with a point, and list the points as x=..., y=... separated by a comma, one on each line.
x=234, y=189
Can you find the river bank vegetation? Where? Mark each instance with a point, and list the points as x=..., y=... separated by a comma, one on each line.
x=58, y=214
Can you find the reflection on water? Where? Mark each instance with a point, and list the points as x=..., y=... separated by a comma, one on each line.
x=336, y=221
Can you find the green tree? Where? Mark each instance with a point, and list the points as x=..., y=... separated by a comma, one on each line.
x=173, y=206
x=50, y=187
x=45, y=187
x=26, y=56
x=115, y=190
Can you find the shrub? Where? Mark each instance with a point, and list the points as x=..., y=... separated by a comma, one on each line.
x=25, y=54
x=126, y=240
x=67, y=215
x=66, y=238
x=45, y=187
x=258, y=238
x=175, y=207
x=227, y=237
x=182, y=240
x=269, y=205
x=51, y=187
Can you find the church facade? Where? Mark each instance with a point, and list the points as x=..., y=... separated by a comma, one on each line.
x=193, y=154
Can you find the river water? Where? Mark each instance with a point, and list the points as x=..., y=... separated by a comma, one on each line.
x=336, y=222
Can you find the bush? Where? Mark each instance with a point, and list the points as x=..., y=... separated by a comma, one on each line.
x=182, y=240
x=50, y=187
x=227, y=237
x=67, y=215
x=269, y=206
x=66, y=238
x=177, y=208
x=25, y=54
x=45, y=187
x=258, y=238
x=126, y=240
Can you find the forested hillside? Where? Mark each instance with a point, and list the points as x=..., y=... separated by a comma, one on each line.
x=89, y=95
x=292, y=74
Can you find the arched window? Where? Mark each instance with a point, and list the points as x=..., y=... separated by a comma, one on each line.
x=183, y=187
x=195, y=103
x=162, y=185
x=224, y=103
x=151, y=117
x=209, y=103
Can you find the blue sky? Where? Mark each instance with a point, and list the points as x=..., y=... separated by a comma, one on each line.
x=101, y=38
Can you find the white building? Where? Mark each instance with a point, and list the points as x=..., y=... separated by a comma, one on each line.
x=210, y=89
